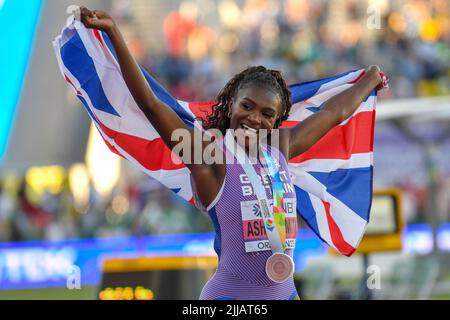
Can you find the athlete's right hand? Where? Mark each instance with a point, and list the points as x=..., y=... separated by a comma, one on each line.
x=96, y=19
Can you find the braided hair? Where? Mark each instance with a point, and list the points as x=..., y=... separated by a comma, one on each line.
x=258, y=75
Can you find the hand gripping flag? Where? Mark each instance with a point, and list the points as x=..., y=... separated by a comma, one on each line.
x=333, y=179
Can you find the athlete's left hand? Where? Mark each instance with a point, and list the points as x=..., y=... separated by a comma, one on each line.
x=380, y=77
x=97, y=19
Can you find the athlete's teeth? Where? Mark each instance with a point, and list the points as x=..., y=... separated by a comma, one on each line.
x=248, y=128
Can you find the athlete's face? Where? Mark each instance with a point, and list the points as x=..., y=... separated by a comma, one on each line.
x=254, y=108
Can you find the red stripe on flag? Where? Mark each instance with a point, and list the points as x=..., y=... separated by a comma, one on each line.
x=98, y=36
x=71, y=83
x=111, y=147
x=151, y=154
x=358, y=77
x=356, y=136
x=336, y=235
x=289, y=124
x=201, y=109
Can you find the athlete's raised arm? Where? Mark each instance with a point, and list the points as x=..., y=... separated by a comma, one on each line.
x=304, y=135
x=160, y=115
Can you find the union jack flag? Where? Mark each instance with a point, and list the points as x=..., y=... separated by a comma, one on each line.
x=333, y=179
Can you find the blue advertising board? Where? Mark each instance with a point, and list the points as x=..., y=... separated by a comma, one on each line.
x=50, y=264
x=46, y=264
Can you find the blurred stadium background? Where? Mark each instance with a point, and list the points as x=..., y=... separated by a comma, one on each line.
x=67, y=204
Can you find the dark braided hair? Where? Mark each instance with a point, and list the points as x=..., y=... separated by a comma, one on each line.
x=259, y=75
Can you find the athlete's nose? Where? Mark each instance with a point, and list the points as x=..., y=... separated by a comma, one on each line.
x=254, y=119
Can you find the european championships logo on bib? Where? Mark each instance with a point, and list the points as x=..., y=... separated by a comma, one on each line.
x=257, y=210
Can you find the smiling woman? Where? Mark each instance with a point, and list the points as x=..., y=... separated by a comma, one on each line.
x=255, y=87
x=252, y=204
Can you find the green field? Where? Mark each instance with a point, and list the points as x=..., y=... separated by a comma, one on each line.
x=86, y=293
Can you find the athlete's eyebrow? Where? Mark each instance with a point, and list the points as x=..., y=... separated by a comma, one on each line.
x=268, y=108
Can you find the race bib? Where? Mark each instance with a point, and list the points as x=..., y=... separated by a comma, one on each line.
x=255, y=236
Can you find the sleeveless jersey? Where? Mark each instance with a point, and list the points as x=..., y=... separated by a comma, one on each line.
x=241, y=241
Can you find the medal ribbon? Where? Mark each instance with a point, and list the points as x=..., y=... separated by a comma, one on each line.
x=277, y=194
x=273, y=227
